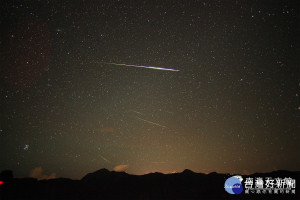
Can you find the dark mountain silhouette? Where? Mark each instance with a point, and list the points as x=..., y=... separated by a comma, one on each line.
x=105, y=184
x=187, y=171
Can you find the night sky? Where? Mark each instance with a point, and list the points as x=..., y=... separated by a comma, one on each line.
x=69, y=108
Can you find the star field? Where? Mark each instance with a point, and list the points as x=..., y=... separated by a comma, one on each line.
x=232, y=107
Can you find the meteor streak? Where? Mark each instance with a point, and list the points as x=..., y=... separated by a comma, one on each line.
x=105, y=159
x=156, y=124
x=141, y=66
x=136, y=112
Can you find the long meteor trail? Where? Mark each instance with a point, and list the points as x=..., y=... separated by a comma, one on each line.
x=142, y=66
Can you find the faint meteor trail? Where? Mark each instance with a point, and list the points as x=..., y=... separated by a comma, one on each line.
x=136, y=112
x=105, y=159
x=158, y=162
x=141, y=66
x=151, y=122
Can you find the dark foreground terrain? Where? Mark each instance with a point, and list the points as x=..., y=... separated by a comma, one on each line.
x=104, y=184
